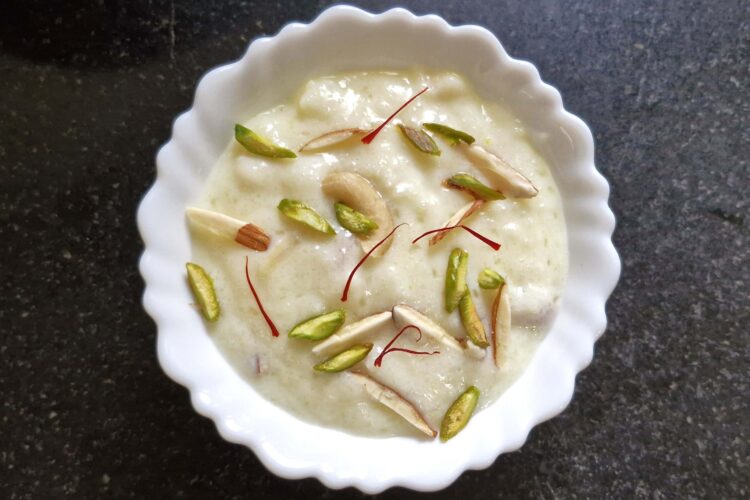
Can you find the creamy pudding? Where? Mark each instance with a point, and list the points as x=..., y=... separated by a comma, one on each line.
x=310, y=187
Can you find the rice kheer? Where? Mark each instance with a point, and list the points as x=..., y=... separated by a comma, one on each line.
x=303, y=197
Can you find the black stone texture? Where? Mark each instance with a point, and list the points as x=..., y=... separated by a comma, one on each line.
x=88, y=91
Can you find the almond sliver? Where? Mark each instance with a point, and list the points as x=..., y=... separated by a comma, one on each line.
x=353, y=332
x=406, y=315
x=503, y=177
x=458, y=218
x=396, y=402
x=331, y=138
x=244, y=233
x=500, y=323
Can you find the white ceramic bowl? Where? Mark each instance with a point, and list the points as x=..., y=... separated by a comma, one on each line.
x=345, y=38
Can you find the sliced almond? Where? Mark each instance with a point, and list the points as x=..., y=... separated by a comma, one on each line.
x=353, y=332
x=395, y=401
x=358, y=193
x=503, y=177
x=244, y=233
x=406, y=315
x=458, y=218
x=331, y=138
x=500, y=323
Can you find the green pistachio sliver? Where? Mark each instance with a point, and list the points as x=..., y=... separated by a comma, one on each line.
x=421, y=140
x=471, y=321
x=260, y=145
x=345, y=359
x=203, y=290
x=489, y=279
x=455, y=278
x=459, y=413
x=462, y=180
x=305, y=214
x=352, y=220
x=452, y=135
x=319, y=327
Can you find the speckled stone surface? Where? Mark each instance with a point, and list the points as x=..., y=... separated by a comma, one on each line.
x=88, y=91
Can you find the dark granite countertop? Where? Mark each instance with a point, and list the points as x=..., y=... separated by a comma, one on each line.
x=88, y=91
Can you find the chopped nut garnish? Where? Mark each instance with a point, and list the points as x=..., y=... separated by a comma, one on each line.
x=489, y=279
x=258, y=145
x=395, y=401
x=407, y=315
x=472, y=185
x=358, y=193
x=244, y=233
x=471, y=321
x=354, y=331
x=319, y=327
x=459, y=413
x=420, y=140
x=503, y=177
x=455, y=278
x=500, y=323
x=350, y=219
x=203, y=290
x=331, y=138
x=305, y=214
x=458, y=218
x=452, y=135
x=345, y=359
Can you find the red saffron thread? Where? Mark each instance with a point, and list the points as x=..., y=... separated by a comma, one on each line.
x=495, y=246
x=369, y=137
x=274, y=331
x=351, y=275
x=388, y=348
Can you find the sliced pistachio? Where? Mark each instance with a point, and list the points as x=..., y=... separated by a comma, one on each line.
x=356, y=222
x=406, y=315
x=452, y=135
x=331, y=139
x=354, y=331
x=455, y=278
x=469, y=183
x=503, y=176
x=203, y=290
x=319, y=327
x=421, y=140
x=500, y=323
x=459, y=413
x=260, y=145
x=244, y=233
x=305, y=214
x=345, y=359
x=458, y=218
x=358, y=193
x=471, y=321
x=395, y=401
x=489, y=279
